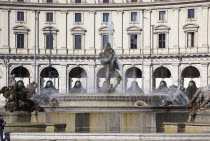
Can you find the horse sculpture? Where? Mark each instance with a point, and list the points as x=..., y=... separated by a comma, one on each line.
x=18, y=96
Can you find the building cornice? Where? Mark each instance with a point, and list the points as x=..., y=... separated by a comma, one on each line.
x=86, y=6
x=146, y=56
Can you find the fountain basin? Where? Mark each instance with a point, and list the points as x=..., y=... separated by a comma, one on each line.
x=110, y=100
x=113, y=119
x=101, y=119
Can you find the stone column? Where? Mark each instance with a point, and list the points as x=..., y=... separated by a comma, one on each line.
x=91, y=79
x=63, y=79
x=147, y=78
x=204, y=74
x=175, y=74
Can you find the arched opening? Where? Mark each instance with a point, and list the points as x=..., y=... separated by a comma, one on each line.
x=101, y=77
x=160, y=74
x=133, y=74
x=21, y=73
x=49, y=73
x=78, y=74
x=191, y=73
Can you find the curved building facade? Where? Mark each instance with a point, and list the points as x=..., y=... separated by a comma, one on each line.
x=153, y=41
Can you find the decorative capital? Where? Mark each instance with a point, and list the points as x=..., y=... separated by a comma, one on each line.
x=64, y=12
x=148, y=11
x=204, y=64
x=176, y=9
x=6, y=10
x=205, y=6
x=92, y=12
x=120, y=12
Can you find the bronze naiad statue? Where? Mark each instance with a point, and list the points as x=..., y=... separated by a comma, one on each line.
x=18, y=96
x=109, y=61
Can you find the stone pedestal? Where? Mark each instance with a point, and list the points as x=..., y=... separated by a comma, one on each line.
x=203, y=116
x=16, y=117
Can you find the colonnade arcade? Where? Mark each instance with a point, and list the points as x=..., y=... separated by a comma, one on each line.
x=131, y=74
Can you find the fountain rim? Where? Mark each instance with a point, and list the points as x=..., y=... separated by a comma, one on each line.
x=125, y=109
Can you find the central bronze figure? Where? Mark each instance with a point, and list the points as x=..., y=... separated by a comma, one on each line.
x=109, y=61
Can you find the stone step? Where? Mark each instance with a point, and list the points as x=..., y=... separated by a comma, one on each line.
x=106, y=137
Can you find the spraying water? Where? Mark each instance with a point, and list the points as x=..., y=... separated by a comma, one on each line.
x=110, y=31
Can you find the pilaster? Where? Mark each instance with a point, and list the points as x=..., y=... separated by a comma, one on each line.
x=147, y=31
x=4, y=75
x=6, y=30
x=175, y=74
x=63, y=79
x=205, y=17
x=120, y=88
x=90, y=35
x=147, y=78
x=204, y=74
x=118, y=34
x=175, y=30
x=35, y=77
x=91, y=79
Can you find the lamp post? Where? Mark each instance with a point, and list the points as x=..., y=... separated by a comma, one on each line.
x=35, y=47
x=152, y=47
x=152, y=36
x=142, y=50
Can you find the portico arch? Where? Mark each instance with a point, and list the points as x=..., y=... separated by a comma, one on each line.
x=191, y=73
x=159, y=74
x=21, y=73
x=76, y=74
x=133, y=74
x=101, y=77
x=49, y=73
